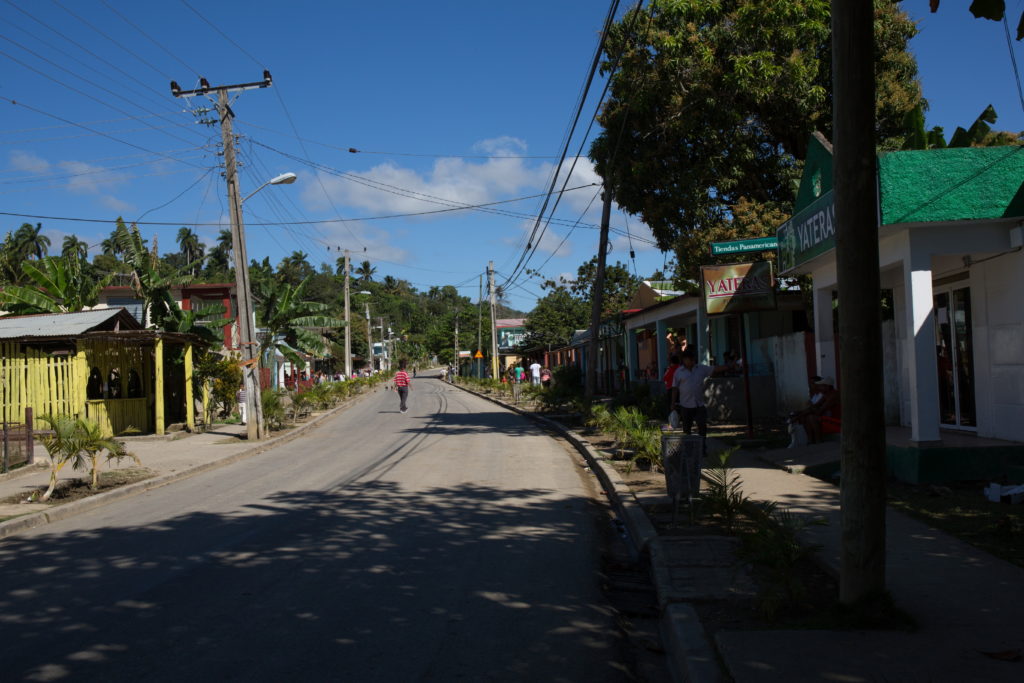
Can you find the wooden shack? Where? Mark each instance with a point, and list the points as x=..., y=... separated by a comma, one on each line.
x=98, y=364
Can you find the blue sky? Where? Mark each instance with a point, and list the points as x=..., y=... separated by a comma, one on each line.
x=400, y=81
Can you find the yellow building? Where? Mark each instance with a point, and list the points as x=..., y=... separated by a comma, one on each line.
x=101, y=365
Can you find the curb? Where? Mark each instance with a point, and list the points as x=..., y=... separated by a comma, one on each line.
x=43, y=517
x=691, y=655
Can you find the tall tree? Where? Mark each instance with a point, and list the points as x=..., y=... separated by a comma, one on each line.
x=714, y=102
x=29, y=242
x=72, y=247
x=295, y=268
x=364, y=271
x=192, y=250
x=55, y=285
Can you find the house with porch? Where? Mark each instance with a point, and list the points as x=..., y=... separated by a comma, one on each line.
x=101, y=365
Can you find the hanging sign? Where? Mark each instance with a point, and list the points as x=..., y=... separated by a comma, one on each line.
x=738, y=287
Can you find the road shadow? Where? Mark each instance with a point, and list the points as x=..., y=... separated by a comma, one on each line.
x=367, y=582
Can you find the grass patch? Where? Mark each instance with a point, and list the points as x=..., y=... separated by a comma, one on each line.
x=961, y=510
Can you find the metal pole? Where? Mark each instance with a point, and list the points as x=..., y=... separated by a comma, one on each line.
x=348, y=330
x=455, y=363
x=597, y=296
x=246, y=325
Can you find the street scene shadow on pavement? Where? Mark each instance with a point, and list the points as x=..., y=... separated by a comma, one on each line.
x=321, y=585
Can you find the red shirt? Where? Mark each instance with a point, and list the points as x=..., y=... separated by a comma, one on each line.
x=401, y=378
x=670, y=376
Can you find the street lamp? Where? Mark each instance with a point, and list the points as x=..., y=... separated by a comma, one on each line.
x=283, y=179
x=246, y=317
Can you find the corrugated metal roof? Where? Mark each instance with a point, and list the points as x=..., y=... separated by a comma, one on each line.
x=62, y=324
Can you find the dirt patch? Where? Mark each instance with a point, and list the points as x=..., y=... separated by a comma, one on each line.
x=70, y=490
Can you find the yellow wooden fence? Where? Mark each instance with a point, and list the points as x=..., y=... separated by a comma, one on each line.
x=33, y=378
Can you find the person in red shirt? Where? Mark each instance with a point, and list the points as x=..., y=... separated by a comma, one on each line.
x=669, y=377
x=402, y=385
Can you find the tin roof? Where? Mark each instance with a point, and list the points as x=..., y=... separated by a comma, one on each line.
x=50, y=325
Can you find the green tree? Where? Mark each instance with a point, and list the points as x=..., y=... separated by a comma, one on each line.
x=192, y=250
x=295, y=268
x=147, y=281
x=556, y=317
x=290, y=322
x=714, y=102
x=28, y=242
x=72, y=247
x=55, y=285
x=364, y=271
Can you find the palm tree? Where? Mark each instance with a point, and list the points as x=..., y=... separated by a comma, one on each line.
x=148, y=283
x=191, y=248
x=72, y=247
x=365, y=272
x=58, y=286
x=290, y=323
x=28, y=242
x=92, y=442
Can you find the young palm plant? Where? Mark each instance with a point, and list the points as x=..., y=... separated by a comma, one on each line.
x=92, y=442
x=63, y=446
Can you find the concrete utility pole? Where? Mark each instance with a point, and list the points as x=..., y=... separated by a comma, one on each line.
x=348, y=336
x=597, y=295
x=480, y=324
x=494, y=323
x=246, y=322
x=369, y=336
x=862, y=491
x=455, y=364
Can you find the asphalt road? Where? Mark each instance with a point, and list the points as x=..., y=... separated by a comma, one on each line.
x=453, y=542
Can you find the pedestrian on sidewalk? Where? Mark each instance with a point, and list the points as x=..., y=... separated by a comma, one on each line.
x=535, y=373
x=402, y=385
x=240, y=398
x=688, y=392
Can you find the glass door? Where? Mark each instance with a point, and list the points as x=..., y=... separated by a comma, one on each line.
x=954, y=352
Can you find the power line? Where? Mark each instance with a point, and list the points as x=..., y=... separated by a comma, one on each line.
x=1013, y=60
x=176, y=197
x=43, y=177
x=149, y=38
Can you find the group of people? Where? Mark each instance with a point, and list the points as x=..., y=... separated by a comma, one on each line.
x=538, y=374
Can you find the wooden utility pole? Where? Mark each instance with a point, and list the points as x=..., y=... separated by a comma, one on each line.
x=862, y=485
x=597, y=295
x=246, y=322
x=455, y=363
x=493, y=296
x=480, y=324
x=348, y=335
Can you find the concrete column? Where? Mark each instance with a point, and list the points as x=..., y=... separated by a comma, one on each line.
x=920, y=345
x=702, y=338
x=632, y=356
x=824, y=339
x=660, y=332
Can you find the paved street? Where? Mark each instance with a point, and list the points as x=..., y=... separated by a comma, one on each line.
x=451, y=542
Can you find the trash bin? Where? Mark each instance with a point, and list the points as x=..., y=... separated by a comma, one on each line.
x=681, y=457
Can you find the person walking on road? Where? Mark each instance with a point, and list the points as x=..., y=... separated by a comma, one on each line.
x=402, y=385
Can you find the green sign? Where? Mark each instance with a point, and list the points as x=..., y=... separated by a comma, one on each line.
x=808, y=234
x=744, y=246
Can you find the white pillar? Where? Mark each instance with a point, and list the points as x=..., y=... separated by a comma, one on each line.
x=660, y=332
x=824, y=339
x=920, y=346
x=703, y=335
x=632, y=358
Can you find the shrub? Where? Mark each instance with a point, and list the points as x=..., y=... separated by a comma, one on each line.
x=273, y=408
x=724, y=496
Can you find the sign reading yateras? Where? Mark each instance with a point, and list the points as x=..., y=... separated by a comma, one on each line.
x=738, y=287
x=744, y=246
x=810, y=233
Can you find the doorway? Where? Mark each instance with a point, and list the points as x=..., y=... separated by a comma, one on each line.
x=954, y=353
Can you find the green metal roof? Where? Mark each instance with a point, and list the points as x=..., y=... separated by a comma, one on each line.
x=952, y=184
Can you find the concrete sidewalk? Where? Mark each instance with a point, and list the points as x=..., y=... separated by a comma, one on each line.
x=171, y=457
x=966, y=601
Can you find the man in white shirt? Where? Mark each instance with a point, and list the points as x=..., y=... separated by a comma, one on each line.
x=535, y=372
x=688, y=392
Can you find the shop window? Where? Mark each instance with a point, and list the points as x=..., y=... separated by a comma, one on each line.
x=94, y=387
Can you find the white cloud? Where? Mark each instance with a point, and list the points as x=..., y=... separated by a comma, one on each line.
x=504, y=144
x=90, y=179
x=112, y=202
x=27, y=161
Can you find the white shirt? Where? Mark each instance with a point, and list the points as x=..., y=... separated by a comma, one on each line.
x=535, y=370
x=690, y=384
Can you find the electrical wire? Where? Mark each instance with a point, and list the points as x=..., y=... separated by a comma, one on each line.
x=44, y=177
x=149, y=38
x=1013, y=60
x=177, y=196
